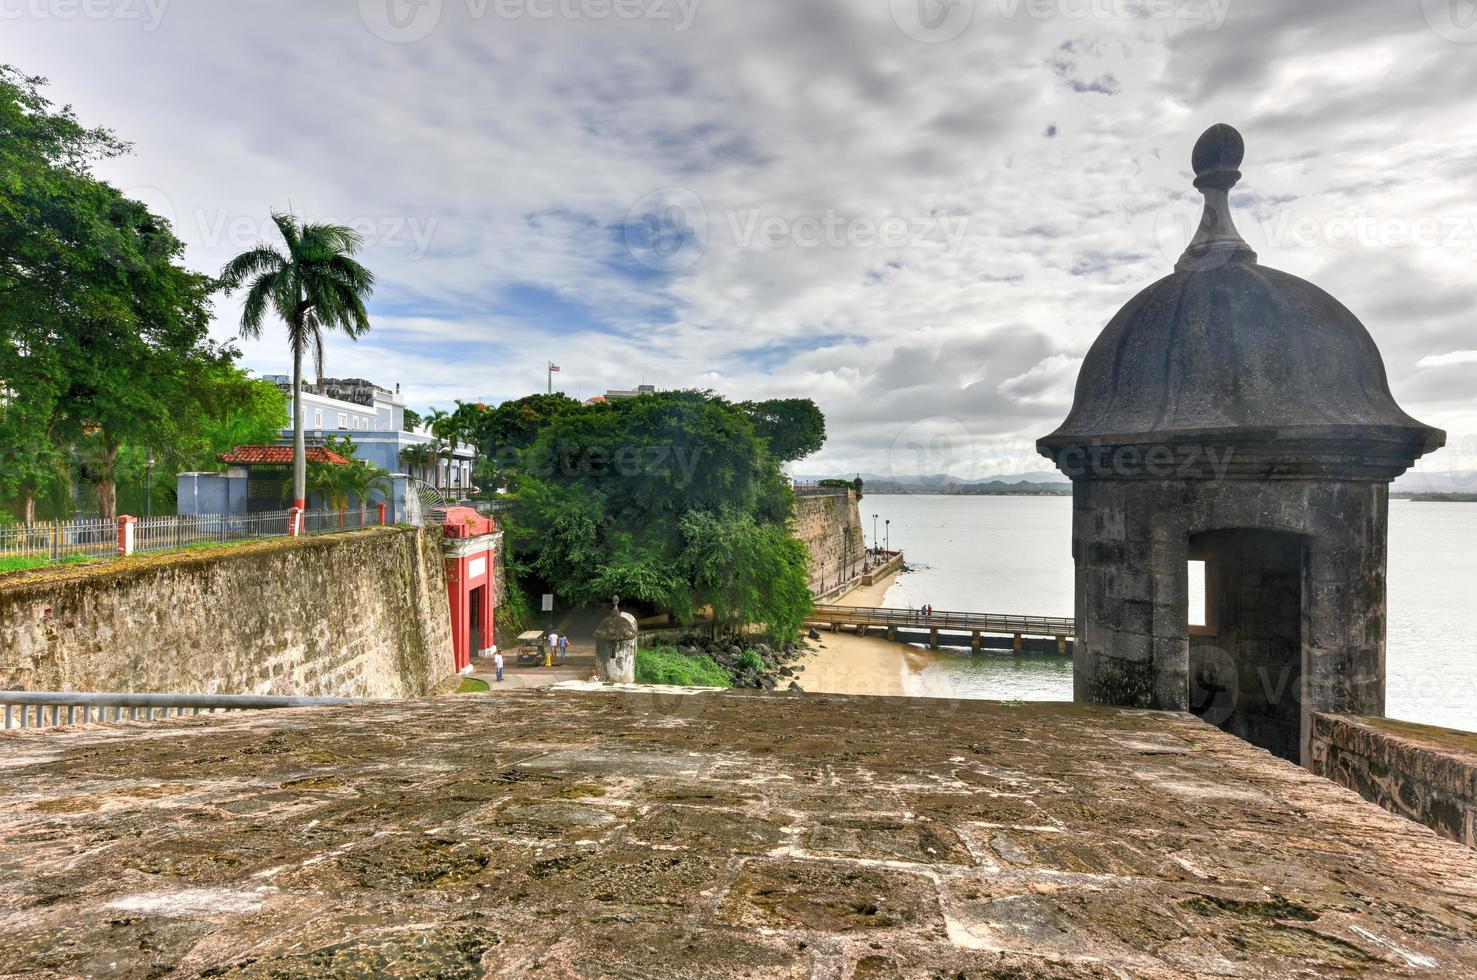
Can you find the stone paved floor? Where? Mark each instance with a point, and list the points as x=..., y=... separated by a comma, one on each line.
x=563, y=834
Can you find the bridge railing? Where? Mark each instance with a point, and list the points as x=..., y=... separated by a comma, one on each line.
x=46, y=709
x=945, y=620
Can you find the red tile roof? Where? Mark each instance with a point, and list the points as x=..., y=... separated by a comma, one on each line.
x=277, y=455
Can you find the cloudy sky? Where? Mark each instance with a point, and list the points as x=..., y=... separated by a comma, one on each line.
x=917, y=212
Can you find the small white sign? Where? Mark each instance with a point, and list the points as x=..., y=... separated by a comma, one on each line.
x=476, y=567
x=548, y=603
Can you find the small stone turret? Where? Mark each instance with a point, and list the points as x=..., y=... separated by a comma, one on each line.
x=615, y=646
x=1239, y=418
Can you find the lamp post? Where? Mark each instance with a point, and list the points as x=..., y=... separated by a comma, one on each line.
x=874, y=532
x=149, y=487
x=887, y=535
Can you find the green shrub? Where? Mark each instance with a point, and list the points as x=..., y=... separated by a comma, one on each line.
x=750, y=660
x=667, y=665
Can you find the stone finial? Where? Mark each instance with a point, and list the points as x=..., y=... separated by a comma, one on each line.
x=1217, y=161
x=1217, y=156
x=618, y=625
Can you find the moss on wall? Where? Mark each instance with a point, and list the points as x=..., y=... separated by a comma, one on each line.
x=358, y=614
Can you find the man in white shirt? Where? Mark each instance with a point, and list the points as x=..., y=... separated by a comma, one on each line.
x=552, y=649
x=497, y=661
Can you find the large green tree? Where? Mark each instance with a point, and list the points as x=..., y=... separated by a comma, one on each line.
x=236, y=409
x=792, y=427
x=502, y=434
x=45, y=219
x=669, y=499
x=313, y=285
x=103, y=345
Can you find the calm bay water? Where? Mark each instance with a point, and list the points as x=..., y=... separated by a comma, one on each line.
x=1014, y=555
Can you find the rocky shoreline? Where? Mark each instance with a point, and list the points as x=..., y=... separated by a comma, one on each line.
x=780, y=663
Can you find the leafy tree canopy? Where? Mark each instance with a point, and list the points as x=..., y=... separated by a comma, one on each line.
x=503, y=433
x=103, y=343
x=670, y=499
x=792, y=427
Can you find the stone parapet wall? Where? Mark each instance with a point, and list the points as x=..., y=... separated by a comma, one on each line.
x=821, y=522
x=1426, y=774
x=362, y=614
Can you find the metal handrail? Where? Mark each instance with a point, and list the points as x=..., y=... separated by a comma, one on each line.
x=100, y=702
x=940, y=619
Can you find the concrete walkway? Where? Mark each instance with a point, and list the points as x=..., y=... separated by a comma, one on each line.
x=579, y=666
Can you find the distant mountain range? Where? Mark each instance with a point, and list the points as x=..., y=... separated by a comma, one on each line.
x=1441, y=481
x=1050, y=482
x=1036, y=483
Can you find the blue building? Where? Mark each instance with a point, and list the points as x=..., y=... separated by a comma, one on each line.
x=373, y=417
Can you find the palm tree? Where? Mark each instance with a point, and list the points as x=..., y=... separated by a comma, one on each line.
x=338, y=482
x=362, y=480
x=417, y=458
x=439, y=423
x=441, y=449
x=316, y=285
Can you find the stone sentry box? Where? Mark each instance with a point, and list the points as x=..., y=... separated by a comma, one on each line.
x=615, y=646
x=1239, y=416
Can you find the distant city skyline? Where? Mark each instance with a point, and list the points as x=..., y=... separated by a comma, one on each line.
x=919, y=221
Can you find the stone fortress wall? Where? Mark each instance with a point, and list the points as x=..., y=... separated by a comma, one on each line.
x=363, y=614
x=822, y=521
x=1423, y=773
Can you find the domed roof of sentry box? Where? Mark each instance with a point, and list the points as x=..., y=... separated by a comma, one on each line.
x=618, y=625
x=1225, y=349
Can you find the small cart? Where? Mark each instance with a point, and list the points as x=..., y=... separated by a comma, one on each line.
x=531, y=647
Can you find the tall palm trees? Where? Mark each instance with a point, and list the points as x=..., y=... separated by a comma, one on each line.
x=338, y=482
x=315, y=285
x=450, y=432
x=418, y=458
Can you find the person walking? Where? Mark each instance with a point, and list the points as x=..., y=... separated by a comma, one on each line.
x=563, y=647
x=497, y=661
x=553, y=648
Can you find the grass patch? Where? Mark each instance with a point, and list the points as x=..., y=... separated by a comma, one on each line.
x=662, y=664
x=471, y=685
x=18, y=563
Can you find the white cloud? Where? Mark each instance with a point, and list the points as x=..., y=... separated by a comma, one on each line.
x=1448, y=359
x=517, y=148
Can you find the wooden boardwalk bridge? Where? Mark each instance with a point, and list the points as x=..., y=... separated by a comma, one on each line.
x=939, y=627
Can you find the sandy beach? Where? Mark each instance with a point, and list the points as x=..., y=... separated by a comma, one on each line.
x=844, y=663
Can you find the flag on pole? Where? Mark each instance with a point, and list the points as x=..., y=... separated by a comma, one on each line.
x=553, y=366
